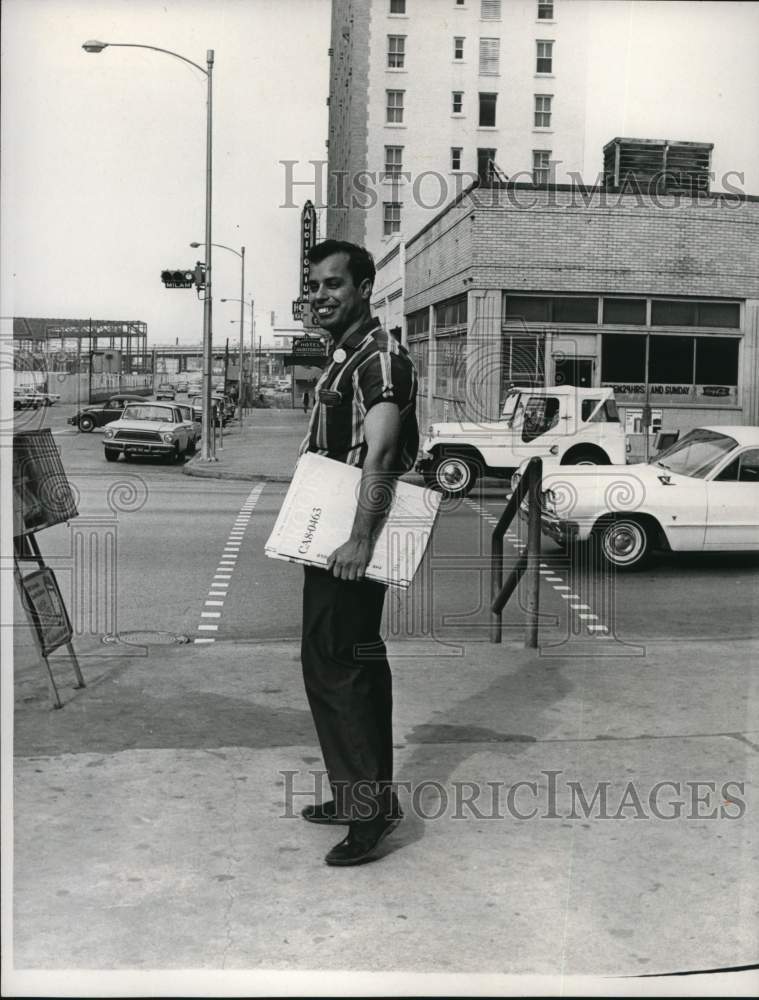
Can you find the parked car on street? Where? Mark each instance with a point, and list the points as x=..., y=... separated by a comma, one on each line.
x=26, y=399
x=148, y=428
x=182, y=385
x=188, y=413
x=166, y=390
x=578, y=426
x=699, y=495
x=100, y=414
x=217, y=403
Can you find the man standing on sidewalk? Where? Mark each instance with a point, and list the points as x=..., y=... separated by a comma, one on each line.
x=364, y=414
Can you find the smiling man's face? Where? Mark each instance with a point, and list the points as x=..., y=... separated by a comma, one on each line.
x=335, y=301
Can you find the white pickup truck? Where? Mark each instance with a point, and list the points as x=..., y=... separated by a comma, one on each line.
x=577, y=426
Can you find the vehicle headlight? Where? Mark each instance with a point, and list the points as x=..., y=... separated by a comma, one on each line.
x=168, y=437
x=108, y=433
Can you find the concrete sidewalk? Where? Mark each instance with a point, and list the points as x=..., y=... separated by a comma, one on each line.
x=157, y=815
x=264, y=448
x=573, y=811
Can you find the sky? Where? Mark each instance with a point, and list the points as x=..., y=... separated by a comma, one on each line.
x=103, y=160
x=103, y=156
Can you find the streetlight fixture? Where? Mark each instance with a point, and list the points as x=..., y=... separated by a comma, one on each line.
x=241, y=254
x=207, y=444
x=252, y=305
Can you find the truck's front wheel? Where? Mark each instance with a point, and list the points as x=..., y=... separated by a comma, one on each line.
x=453, y=475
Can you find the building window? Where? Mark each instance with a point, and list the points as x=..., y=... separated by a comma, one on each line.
x=393, y=160
x=458, y=49
x=396, y=51
x=541, y=166
x=666, y=312
x=487, y=110
x=545, y=57
x=394, y=107
x=391, y=218
x=456, y=152
x=451, y=314
x=543, y=110
x=490, y=51
x=457, y=102
x=545, y=10
x=486, y=165
x=490, y=10
x=717, y=361
x=552, y=308
x=672, y=361
x=523, y=362
x=397, y=6
x=623, y=312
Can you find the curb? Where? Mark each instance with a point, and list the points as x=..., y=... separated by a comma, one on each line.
x=213, y=472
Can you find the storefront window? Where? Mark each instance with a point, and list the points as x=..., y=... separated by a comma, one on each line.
x=625, y=311
x=670, y=359
x=623, y=358
x=685, y=312
x=717, y=361
x=450, y=367
x=420, y=355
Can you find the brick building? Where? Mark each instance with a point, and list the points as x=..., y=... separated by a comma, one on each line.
x=656, y=295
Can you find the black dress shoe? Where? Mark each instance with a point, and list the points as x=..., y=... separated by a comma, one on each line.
x=362, y=843
x=324, y=813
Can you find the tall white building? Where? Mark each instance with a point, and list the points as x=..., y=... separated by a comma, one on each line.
x=426, y=95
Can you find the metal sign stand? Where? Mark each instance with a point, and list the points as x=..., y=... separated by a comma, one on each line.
x=56, y=630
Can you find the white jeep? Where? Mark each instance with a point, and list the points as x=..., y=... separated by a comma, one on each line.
x=577, y=426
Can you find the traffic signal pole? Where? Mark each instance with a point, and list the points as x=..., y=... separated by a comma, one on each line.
x=207, y=442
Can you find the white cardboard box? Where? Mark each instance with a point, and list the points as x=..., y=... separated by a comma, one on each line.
x=317, y=516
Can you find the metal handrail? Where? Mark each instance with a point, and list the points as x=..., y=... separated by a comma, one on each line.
x=528, y=486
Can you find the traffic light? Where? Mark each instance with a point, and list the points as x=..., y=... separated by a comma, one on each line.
x=178, y=279
x=199, y=275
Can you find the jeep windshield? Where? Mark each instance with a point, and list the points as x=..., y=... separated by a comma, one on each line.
x=696, y=454
x=146, y=412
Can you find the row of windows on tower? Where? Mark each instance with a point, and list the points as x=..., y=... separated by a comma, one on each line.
x=486, y=171
x=490, y=10
x=489, y=54
x=395, y=108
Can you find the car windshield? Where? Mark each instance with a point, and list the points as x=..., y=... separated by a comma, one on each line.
x=696, y=454
x=147, y=412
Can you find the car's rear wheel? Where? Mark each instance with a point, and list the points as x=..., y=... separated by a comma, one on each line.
x=86, y=424
x=111, y=454
x=626, y=543
x=454, y=475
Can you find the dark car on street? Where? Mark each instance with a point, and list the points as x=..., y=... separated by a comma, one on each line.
x=103, y=413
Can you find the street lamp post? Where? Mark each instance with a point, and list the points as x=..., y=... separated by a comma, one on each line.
x=207, y=445
x=252, y=333
x=241, y=254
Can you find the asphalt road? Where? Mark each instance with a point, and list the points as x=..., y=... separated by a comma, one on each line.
x=189, y=560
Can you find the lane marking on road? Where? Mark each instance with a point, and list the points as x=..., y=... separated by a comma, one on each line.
x=550, y=575
x=227, y=564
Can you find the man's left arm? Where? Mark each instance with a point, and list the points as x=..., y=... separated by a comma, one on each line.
x=382, y=431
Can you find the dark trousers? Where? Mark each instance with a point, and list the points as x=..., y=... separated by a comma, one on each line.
x=349, y=688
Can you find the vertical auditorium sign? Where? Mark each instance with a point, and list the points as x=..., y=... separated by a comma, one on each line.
x=307, y=241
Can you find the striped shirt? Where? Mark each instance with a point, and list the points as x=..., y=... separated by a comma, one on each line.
x=375, y=369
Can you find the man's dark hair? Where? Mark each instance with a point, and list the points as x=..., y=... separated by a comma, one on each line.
x=360, y=261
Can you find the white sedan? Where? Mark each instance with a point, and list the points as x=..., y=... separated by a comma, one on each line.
x=700, y=495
